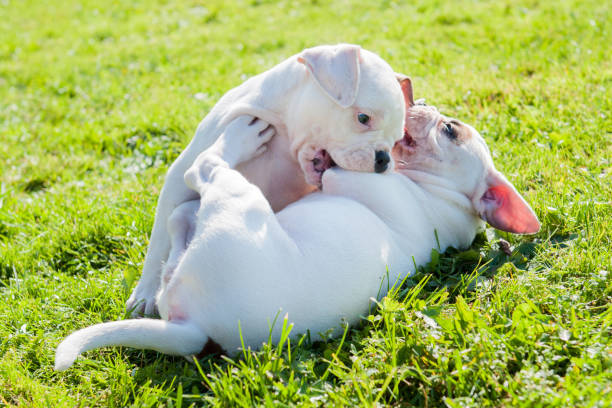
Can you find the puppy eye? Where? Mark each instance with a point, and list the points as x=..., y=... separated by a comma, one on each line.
x=363, y=118
x=450, y=131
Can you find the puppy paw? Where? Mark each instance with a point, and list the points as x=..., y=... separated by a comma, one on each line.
x=244, y=138
x=142, y=302
x=198, y=174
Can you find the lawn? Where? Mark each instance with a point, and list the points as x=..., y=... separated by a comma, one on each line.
x=98, y=98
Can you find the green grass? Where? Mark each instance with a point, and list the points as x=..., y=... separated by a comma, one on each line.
x=97, y=99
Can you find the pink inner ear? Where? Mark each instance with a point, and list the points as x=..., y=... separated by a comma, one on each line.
x=406, y=85
x=505, y=209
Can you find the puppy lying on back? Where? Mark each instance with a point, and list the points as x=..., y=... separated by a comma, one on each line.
x=322, y=258
x=328, y=105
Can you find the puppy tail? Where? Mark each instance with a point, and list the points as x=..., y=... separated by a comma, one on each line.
x=167, y=337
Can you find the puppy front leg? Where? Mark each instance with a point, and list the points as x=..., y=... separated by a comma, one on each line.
x=173, y=193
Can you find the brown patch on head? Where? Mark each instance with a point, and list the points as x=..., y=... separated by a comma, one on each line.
x=456, y=131
x=211, y=348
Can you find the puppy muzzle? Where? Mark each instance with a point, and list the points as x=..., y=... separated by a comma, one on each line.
x=363, y=158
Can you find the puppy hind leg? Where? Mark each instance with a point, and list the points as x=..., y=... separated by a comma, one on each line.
x=181, y=227
x=176, y=190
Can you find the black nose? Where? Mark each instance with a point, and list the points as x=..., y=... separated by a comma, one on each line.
x=381, y=161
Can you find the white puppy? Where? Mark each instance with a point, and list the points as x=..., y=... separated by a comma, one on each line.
x=322, y=258
x=329, y=105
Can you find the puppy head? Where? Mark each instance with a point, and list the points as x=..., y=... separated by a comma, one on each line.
x=454, y=152
x=349, y=111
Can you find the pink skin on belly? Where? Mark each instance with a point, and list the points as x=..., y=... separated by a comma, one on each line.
x=175, y=314
x=277, y=173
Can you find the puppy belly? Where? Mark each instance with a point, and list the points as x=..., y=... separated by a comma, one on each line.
x=277, y=174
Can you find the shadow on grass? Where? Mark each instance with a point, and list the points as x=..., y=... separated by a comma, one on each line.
x=460, y=270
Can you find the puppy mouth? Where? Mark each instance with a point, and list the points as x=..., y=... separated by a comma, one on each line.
x=407, y=141
x=321, y=162
x=403, y=150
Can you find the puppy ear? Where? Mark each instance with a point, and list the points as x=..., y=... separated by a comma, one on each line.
x=504, y=208
x=406, y=85
x=335, y=69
